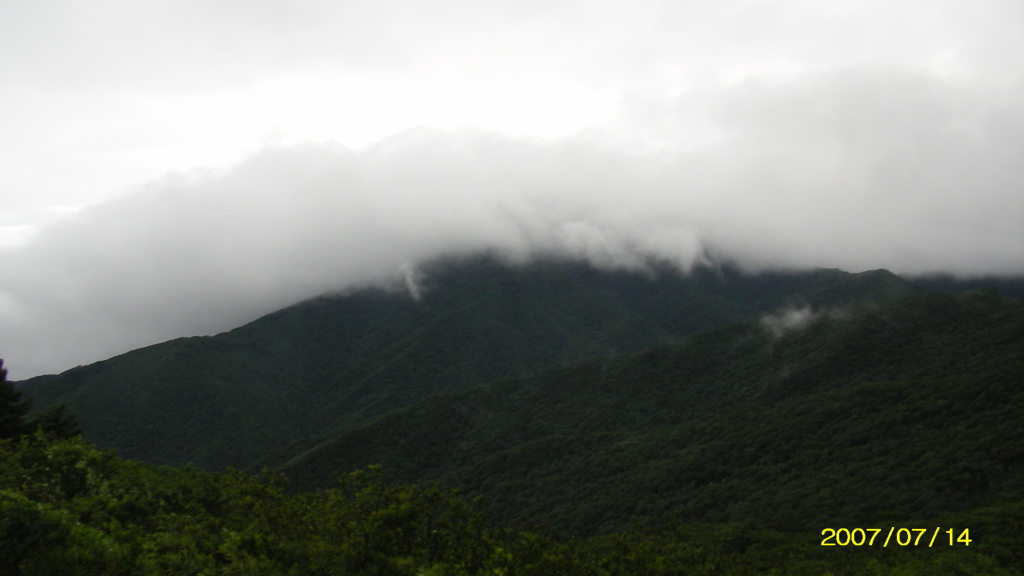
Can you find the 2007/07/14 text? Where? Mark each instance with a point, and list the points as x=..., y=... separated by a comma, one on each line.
x=895, y=536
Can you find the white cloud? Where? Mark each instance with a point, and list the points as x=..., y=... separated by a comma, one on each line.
x=798, y=185
x=373, y=136
x=789, y=320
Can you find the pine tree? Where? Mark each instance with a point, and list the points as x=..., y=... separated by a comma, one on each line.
x=57, y=421
x=13, y=408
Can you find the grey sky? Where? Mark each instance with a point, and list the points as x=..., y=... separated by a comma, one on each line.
x=177, y=168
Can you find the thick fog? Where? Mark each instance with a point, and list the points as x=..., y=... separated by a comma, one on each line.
x=340, y=145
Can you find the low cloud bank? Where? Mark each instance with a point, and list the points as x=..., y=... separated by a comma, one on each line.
x=859, y=170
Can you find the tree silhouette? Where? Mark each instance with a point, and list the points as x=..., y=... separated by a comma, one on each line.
x=13, y=408
x=57, y=421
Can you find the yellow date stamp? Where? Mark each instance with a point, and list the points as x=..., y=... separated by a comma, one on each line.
x=895, y=537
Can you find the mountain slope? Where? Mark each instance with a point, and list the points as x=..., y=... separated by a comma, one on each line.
x=891, y=412
x=336, y=361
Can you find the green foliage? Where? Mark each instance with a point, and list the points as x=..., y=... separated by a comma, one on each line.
x=67, y=508
x=16, y=422
x=58, y=421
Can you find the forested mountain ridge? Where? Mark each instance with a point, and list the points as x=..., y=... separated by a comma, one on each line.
x=903, y=409
x=336, y=361
x=819, y=400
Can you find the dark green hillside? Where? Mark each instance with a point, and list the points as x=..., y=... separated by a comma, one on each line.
x=67, y=508
x=235, y=398
x=891, y=412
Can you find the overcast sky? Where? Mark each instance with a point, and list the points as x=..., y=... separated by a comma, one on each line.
x=180, y=167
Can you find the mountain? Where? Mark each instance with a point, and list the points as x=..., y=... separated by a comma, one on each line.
x=912, y=408
x=272, y=387
x=714, y=423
